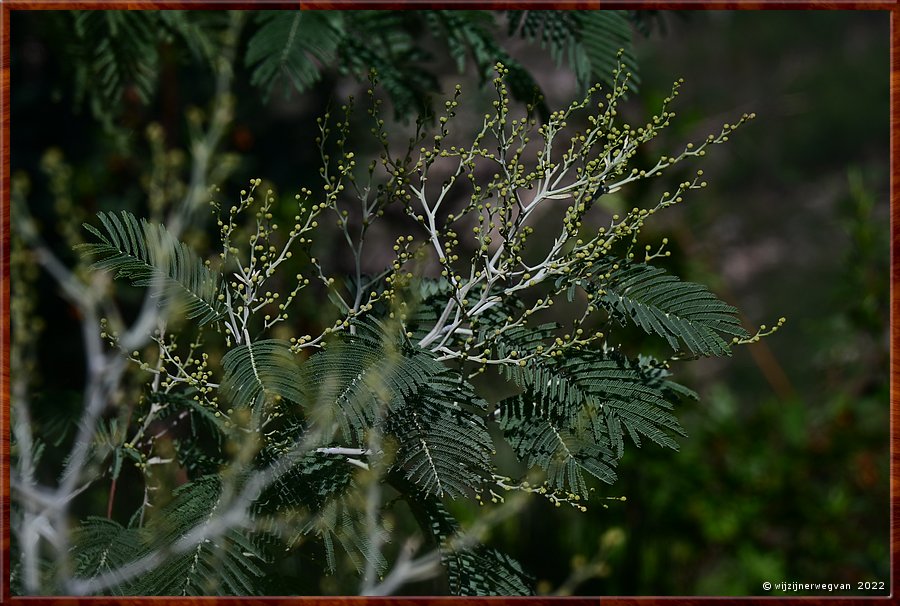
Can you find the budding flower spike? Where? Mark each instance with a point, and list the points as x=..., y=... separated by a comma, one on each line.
x=347, y=343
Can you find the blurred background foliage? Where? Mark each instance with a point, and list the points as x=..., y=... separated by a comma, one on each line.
x=785, y=475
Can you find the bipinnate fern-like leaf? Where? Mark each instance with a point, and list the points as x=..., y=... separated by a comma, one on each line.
x=113, y=51
x=588, y=399
x=309, y=484
x=320, y=489
x=365, y=375
x=587, y=40
x=562, y=451
x=195, y=29
x=389, y=43
x=290, y=45
x=431, y=412
x=116, y=49
x=601, y=34
x=185, y=404
x=555, y=31
x=101, y=546
x=228, y=564
x=656, y=375
x=444, y=448
x=469, y=32
x=145, y=252
x=681, y=312
x=483, y=571
x=341, y=522
x=264, y=368
x=354, y=381
x=472, y=570
x=556, y=423
x=627, y=397
x=198, y=448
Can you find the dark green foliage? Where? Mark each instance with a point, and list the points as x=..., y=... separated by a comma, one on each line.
x=628, y=398
x=471, y=570
x=571, y=414
x=317, y=487
x=554, y=30
x=199, y=413
x=386, y=42
x=117, y=50
x=482, y=571
x=195, y=29
x=227, y=564
x=195, y=459
x=293, y=46
x=199, y=432
x=103, y=545
x=114, y=51
x=290, y=46
x=586, y=40
x=562, y=451
x=443, y=443
x=310, y=483
x=681, y=312
x=466, y=32
x=601, y=34
x=145, y=252
x=363, y=381
x=444, y=448
x=264, y=368
x=342, y=523
x=472, y=33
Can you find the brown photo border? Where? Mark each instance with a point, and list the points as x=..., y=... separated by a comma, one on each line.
x=893, y=6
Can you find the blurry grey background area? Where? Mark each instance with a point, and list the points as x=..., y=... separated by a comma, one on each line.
x=784, y=475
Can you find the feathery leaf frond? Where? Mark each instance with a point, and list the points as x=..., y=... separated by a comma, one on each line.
x=562, y=451
x=262, y=367
x=680, y=312
x=432, y=412
x=319, y=488
x=122, y=49
x=471, y=570
x=627, y=396
x=344, y=523
x=472, y=32
x=584, y=400
x=228, y=564
x=445, y=448
x=385, y=41
x=602, y=34
x=101, y=546
x=366, y=375
x=309, y=484
x=145, y=252
x=290, y=45
x=587, y=40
